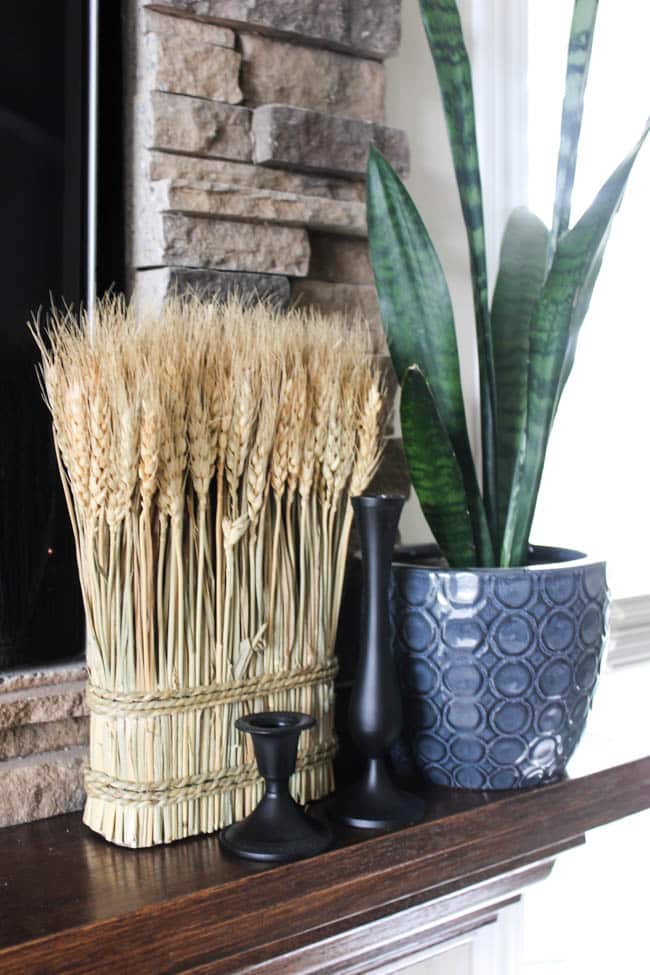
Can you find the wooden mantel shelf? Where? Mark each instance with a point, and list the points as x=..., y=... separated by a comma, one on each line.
x=71, y=903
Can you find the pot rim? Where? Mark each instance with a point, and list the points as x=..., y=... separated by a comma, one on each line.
x=560, y=558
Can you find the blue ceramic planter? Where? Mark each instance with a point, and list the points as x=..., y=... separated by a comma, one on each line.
x=498, y=666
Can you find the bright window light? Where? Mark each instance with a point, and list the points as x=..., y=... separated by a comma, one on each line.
x=595, y=493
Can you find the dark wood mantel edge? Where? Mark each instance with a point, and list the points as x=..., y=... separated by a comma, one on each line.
x=453, y=909
x=342, y=888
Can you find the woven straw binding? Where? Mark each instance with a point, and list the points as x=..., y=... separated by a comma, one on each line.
x=101, y=786
x=118, y=704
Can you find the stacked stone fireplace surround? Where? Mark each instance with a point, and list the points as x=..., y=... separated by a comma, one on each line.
x=248, y=125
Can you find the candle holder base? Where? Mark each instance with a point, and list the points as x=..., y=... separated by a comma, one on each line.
x=277, y=831
x=375, y=802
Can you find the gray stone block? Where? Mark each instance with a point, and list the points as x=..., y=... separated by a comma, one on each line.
x=261, y=205
x=347, y=299
x=37, y=705
x=193, y=31
x=325, y=81
x=176, y=239
x=172, y=62
x=370, y=27
x=22, y=678
x=153, y=286
x=40, y=786
x=295, y=137
x=170, y=165
x=375, y=26
x=339, y=259
x=32, y=739
x=193, y=125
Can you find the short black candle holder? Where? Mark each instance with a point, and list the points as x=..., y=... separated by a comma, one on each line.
x=278, y=829
x=375, y=717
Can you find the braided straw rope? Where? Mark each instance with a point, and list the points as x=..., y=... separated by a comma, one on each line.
x=101, y=786
x=115, y=704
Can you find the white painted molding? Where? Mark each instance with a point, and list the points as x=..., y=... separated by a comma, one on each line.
x=629, y=631
x=498, y=949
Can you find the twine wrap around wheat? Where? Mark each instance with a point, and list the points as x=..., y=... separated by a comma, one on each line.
x=207, y=459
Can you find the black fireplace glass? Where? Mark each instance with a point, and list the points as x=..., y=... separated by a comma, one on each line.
x=43, y=99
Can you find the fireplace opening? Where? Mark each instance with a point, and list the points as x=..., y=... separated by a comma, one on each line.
x=45, y=91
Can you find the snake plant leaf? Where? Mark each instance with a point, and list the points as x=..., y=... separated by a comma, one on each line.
x=435, y=471
x=522, y=269
x=417, y=314
x=444, y=32
x=578, y=57
x=553, y=335
x=579, y=312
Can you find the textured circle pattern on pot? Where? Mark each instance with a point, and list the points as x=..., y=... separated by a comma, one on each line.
x=498, y=666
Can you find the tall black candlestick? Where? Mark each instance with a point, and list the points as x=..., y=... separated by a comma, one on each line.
x=374, y=802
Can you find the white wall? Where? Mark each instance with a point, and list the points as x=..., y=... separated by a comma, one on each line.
x=413, y=104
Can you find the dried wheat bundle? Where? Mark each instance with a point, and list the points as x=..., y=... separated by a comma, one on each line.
x=208, y=456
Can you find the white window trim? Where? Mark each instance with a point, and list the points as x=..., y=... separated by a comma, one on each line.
x=498, y=32
x=497, y=37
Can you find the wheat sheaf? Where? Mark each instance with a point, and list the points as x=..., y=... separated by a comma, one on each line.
x=207, y=455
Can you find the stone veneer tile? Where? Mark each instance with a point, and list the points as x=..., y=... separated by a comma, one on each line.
x=295, y=137
x=30, y=739
x=348, y=299
x=273, y=71
x=153, y=285
x=21, y=678
x=339, y=259
x=269, y=206
x=171, y=62
x=369, y=27
x=168, y=165
x=193, y=125
x=41, y=785
x=193, y=31
x=36, y=705
x=174, y=239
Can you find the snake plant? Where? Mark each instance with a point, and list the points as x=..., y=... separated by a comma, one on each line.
x=526, y=338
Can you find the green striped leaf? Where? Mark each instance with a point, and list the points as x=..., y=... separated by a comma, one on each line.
x=579, y=312
x=444, y=32
x=553, y=335
x=417, y=315
x=522, y=269
x=435, y=471
x=578, y=57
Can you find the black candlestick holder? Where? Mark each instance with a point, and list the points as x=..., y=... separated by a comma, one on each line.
x=375, y=717
x=278, y=829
